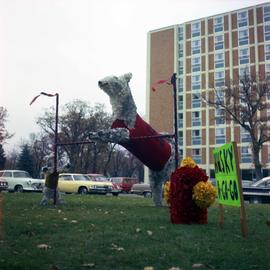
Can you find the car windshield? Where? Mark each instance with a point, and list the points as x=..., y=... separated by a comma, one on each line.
x=117, y=180
x=80, y=177
x=101, y=178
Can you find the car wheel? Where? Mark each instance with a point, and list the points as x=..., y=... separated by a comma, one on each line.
x=82, y=190
x=18, y=188
x=147, y=194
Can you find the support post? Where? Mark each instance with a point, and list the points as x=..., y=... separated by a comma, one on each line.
x=173, y=82
x=55, y=146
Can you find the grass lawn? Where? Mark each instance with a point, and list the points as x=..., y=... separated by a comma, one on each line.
x=106, y=232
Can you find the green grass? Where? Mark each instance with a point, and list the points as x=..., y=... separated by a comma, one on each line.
x=99, y=232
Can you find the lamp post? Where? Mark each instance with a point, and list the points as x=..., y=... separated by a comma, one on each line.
x=173, y=82
x=54, y=175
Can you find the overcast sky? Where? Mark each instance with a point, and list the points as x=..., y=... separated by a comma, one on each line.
x=66, y=46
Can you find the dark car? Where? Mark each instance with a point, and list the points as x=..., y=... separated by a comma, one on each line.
x=142, y=189
x=124, y=184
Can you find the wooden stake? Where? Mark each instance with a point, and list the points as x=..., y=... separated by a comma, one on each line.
x=243, y=220
x=221, y=216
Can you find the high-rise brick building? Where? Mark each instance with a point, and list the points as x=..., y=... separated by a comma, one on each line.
x=205, y=54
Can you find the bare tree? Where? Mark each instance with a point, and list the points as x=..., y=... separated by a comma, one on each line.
x=245, y=104
x=4, y=134
x=76, y=120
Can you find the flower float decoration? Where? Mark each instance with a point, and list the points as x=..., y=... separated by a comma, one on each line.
x=166, y=191
x=204, y=194
x=190, y=194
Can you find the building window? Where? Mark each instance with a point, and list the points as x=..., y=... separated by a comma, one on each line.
x=180, y=120
x=180, y=50
x=219, y=60
x=243, y=37
x=218, y=24
x=219, y=78
x=267, y=52
x=180, y=102
x=267, y=32
x=181, y=66
x=196, y=155
x=245, y=155
x=242, y=19
x=196, y=100
x=196, y=64
x=196, y=137
x=220, y=135
x=245, y=136
x=243, y=56
x=181, y=153
x=180, y=84
x=266, y=14
x=267, y=71
x=244, y=72
x=220, y=116
x=180, y=137
x=219, y=97
x=196, y=29
x=268, y=100
x=180, y=33
x=269, y=153
x=219, y=42
x=196, y=119
x=196, y=82
x=196, y=46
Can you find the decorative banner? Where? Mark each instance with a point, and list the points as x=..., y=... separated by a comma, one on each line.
x=167, y=81
x=42, y=93
x=226, y=167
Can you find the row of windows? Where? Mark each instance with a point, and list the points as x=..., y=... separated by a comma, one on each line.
x=242, y=21
x=219, y=59
x=195, y=103
x=246, y=156
x=219, y=77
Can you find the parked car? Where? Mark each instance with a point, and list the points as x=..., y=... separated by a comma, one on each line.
x=142, y=189
x=20, y=181
x=124, y=184
x=258, y=191
x=81, y=183
x=3, y=184
x=105, y=180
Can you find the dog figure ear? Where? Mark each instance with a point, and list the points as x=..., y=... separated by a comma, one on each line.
x=127, y=77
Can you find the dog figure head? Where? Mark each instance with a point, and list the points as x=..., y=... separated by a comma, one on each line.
x=115, y=86
x=118, y=90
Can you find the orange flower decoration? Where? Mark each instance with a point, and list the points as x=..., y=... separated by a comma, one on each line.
x=188, y=162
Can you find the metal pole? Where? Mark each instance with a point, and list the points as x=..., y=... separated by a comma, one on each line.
x=56, y=134
x=173, y=82
x=55, y=144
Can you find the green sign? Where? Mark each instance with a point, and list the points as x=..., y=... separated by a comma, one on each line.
x=226, y=175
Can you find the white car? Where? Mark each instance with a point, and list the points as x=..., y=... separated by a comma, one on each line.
x=264, y=182
x=20, y=181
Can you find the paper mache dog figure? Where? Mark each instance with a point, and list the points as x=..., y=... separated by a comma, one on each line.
x=50, y=190
x=131, y=131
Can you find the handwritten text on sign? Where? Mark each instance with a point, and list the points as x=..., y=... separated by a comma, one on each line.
x=226, y=175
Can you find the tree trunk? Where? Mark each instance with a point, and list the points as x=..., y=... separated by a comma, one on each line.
x=257, y=163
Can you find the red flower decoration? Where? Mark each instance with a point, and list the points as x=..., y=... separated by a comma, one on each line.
x=182, y=208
